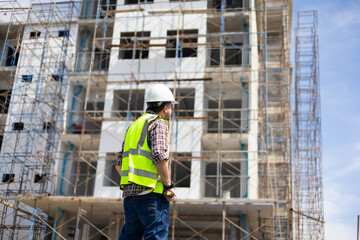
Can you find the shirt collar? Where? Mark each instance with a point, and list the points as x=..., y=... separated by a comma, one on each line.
x=151, y=112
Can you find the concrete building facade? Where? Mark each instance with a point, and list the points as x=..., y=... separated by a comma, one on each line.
x=78, y=80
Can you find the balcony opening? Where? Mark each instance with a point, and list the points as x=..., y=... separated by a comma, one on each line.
x=233, y=55
x=86, y=182
x=5, y=97
x=186, y=100
x=181, y=169
x=121, y=103
x=231, y=115
x=94, y=111
x=101, y=61
x=12, y=57
x=188, y=44
x=111, y=176
x=8, y=177
x=230, y=179
x=133, y=48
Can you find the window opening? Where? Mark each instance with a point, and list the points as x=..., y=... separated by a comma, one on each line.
x=183, y=51
x=231, y=116
x=231, y=178
x=12, y=57
x=5, y=97
x=86, y=181
x=18, y=126
x=102, y=60
x=48, y=125
x=106, y=7
x=120, y=103
x=127, y=45
x=39, y=178
x=112, y=177
x=233, y=55
x=35, y=34
x=186, y=100
x=94, y=109
x=27, y=78
x=138, y=1
x=181, y=169
x=234, y=4
x=63, y=33
x=8, y=177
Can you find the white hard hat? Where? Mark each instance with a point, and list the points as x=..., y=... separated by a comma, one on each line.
x=159, y=93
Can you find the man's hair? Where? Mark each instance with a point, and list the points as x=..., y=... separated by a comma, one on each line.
x=155, y=107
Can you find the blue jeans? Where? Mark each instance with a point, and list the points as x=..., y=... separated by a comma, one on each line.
x=146, y=216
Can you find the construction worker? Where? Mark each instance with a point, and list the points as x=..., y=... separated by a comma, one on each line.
x=143, y=167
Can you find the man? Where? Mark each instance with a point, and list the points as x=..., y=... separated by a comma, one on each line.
x=143, y=167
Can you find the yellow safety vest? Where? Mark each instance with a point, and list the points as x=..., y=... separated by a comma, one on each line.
x=137, y=166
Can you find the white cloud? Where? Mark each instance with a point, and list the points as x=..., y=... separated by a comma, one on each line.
x=341, y=210
x=336, y=230
x=347, y=17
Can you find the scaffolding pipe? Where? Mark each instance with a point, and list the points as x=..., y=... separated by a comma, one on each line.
x=248, y=38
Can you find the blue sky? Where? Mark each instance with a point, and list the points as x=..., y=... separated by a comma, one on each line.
x=339, y=36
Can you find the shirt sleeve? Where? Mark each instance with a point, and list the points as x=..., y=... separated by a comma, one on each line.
x=158, y=133
x=119, y=157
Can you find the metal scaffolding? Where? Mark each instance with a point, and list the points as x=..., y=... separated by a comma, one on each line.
x=59, y=111
x=307, y=161
x=32, y=129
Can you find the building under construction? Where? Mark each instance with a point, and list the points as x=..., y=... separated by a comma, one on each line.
x=73, y=76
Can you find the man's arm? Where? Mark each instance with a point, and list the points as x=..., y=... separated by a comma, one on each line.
x=158, y=136
x=118, y=162
x=163, y=170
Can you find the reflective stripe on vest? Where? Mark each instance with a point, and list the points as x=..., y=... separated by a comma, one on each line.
x=137, y=166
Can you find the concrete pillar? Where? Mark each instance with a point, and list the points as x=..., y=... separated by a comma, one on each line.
x=254, y=103
x=60, y=218
x=85, y=231
x=114, y=226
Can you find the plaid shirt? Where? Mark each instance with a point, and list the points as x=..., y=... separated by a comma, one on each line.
x=158, y=133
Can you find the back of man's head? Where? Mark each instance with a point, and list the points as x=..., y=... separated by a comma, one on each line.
x=157, y=106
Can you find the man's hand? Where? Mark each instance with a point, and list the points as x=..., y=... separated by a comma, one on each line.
x=172, y=190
